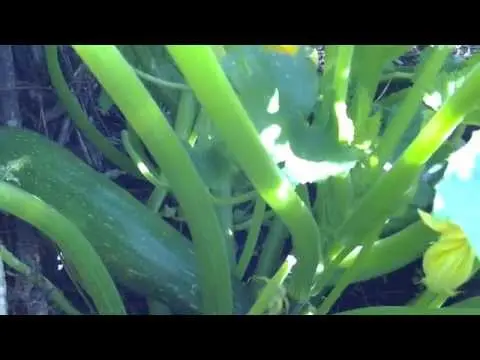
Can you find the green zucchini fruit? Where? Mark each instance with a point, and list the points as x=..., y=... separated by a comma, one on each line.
x=141, y=251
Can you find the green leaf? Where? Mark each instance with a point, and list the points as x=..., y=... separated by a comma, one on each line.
x=457, y=197
x=279, y=92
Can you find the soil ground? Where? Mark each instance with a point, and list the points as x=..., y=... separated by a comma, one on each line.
x=28, y=100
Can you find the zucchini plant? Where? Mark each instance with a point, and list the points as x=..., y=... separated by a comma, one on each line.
x=254, y=139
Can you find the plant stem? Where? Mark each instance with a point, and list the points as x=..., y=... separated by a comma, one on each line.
x=387, y=254
x=349, y=275
x=271, y=290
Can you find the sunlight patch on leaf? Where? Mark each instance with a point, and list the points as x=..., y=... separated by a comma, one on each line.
x=274, y=103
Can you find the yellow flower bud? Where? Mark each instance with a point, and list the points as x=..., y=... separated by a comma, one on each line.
x=447, y=263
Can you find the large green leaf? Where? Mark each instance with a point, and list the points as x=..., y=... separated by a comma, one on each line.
x=280, y=91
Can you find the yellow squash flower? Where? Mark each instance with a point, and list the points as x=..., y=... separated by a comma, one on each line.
x=284, y=49
x=448, y=263
x=293, y=50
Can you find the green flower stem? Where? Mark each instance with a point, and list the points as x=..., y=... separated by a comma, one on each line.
x=205, y=76
x=77, y=250
x=54, y=294
x=429, y=299
x=387, y=255
x=392, y=253
x=80, y=118
x=350, y=274
x=423, y=299
x=252, y=237
x=389, y=191
x=271, y=290
x=133, y=99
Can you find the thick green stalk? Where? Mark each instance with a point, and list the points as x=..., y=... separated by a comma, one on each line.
x=76, y=248
x=205, y=76
x=133, y=99
x=389, y=191
x=80, y=118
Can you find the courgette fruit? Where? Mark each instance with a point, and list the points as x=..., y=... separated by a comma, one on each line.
x=140, y=250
